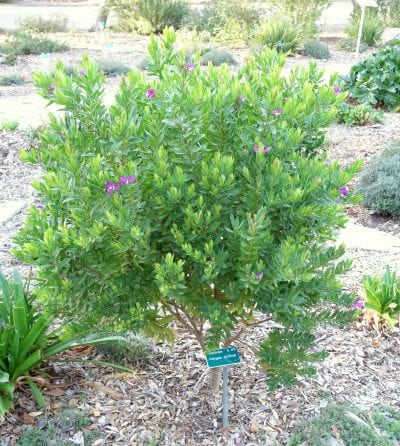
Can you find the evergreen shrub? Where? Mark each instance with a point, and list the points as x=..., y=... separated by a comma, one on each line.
x=201, y=196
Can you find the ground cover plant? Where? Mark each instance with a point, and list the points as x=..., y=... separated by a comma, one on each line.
x=376, y=80
x=22, y=43
x=351, y=45
x=11, y=79
x=112, y=68
x=358, y=114
x=380, y=180
x=27, y=341
x=217, y=57
x=9, y=125
x=200, y=196
x=345, y=424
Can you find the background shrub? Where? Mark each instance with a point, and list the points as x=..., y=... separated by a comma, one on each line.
x=304, y=14
x=57, y=23
x=361, y=114
x=149, y=16
x=390, y=10
x=112, y=68
x=373, y=27
x=199, y=195
x=23, y=44
x=11, y=79
x=279, y=33
x=217, y=57
x=351, y=45
x=376, y=80
x=9, y=125
x=380, y=181
x=227, y=22
x=316, y=49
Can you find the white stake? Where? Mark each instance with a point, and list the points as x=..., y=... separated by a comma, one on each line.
x=360, y=30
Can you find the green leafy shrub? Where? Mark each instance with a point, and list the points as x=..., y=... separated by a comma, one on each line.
x=280, y=34
x=23, y=44
x=201, y=195
x=228, y=22
x=373, y=27
x=11, y=79
x=316, y=49
x=377, y=427
x=390, y=10
x=217, y=57
x=351, y=45
x=10, y=59
x=362, y=114
x=376, y=80
x=382, y=295
x=304, y=15
x=149, y=16
x=112, y=68
x=379, y=183
x=9, y=125
x=58, y=430
x=136, y=348
x=25, y=341
x=57, y=23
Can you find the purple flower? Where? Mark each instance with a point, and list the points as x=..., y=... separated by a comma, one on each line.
x=336, y=89
x=259, y=275
x=131, y=179
x=358, y=304
x=150, y=93
x=343, y=191
x=313, y=349
x=277, y=112
x=190, y=66
x=51, y=88
x=39, y=206
x=110, y=187
x=123, y=180
x=265, y=149
x=82, y=73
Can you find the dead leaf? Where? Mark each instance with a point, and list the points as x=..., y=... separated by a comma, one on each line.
x=254, y=427
x=336, y=432
x=27, y=419
x=56, y=391
x=35, y=414
x=107, y=390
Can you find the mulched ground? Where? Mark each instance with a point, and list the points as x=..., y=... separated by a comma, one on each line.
x=167, y=400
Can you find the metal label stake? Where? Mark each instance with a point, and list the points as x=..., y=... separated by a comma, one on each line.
x=223, y=358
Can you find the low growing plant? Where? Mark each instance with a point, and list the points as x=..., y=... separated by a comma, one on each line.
x=351, y=45
x=11, y=79
x=390, y=10
x=382, y=296
x=22, y=43
x=362, y=114
x=316, y=49
x=376, y=80
x=280, y=34
x=26, y=340
x=112, y=68
x=379, y=183
x=10, y=59
x=373, y=27
x=57, y=23
x=201, y=196
x=9, y=125
x=217, y=57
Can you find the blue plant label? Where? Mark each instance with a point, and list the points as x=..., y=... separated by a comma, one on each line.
x=223, y=357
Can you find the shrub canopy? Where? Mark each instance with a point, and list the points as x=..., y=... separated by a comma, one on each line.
x=200, y=195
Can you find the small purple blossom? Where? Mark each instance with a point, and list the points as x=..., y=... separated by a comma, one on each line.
x=190, y=66
x=110, y=187
x=313, y=349
x=265, y=149
x=343, y=191
x=259, y=275
x=82, y=73
x=113, y=187
x=276, y=112
x=51, y=88
x=131, y=179
x=123, y=180
x=358, y=304
x=150, y=93
x=40, y=206
x=336, y=89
